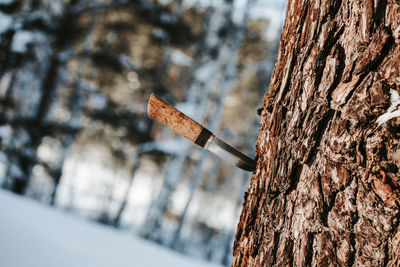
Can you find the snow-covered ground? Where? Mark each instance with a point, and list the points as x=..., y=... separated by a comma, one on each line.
x=38, y=236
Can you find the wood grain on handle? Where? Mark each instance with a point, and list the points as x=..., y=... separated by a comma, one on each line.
x=173, y=118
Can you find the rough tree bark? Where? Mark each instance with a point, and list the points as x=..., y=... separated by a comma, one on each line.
x=327, y=185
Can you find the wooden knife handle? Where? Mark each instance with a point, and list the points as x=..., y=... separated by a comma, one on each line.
x=173, y=118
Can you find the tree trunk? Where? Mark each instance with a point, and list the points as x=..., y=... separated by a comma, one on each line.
x=327, y=185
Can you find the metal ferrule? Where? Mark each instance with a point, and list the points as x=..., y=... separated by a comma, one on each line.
x=203, y=139
x=208, y=140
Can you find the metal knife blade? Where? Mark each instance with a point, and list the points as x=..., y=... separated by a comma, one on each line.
x=187, y=127
x=231, y=154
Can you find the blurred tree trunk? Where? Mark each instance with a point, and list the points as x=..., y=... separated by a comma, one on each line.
x=36, y=129
x=327, y=186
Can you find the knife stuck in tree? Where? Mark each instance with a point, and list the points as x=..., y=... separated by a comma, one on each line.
x=185, y=126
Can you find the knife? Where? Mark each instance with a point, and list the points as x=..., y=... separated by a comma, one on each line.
x=190, y=129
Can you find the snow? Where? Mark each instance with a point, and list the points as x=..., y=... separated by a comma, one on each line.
x=34, y=235
x=6, y=2
x=239, y=10
x=133, y=79
x=54, y=6
x=191, y=109
x=5, y=82
x=204, y=72
x=180, y=58
x=97, y=101
x=394, y=109
x=169, y=146
x=6, y=134
x=20, y=41
x=5, y=22
x=273, y=11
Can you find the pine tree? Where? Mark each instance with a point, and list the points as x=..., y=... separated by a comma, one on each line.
x=326, y=189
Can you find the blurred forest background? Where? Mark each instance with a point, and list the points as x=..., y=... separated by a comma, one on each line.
x=75, y=77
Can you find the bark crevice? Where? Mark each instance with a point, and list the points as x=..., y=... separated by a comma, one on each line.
x=353, y=250
x=386, y=251
x=379, y=15
x=319, y=133
x=330, y=42
x=341, y=56
x=309, y=249
x=375, y=62
x=277, y=236
x=294, y=177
